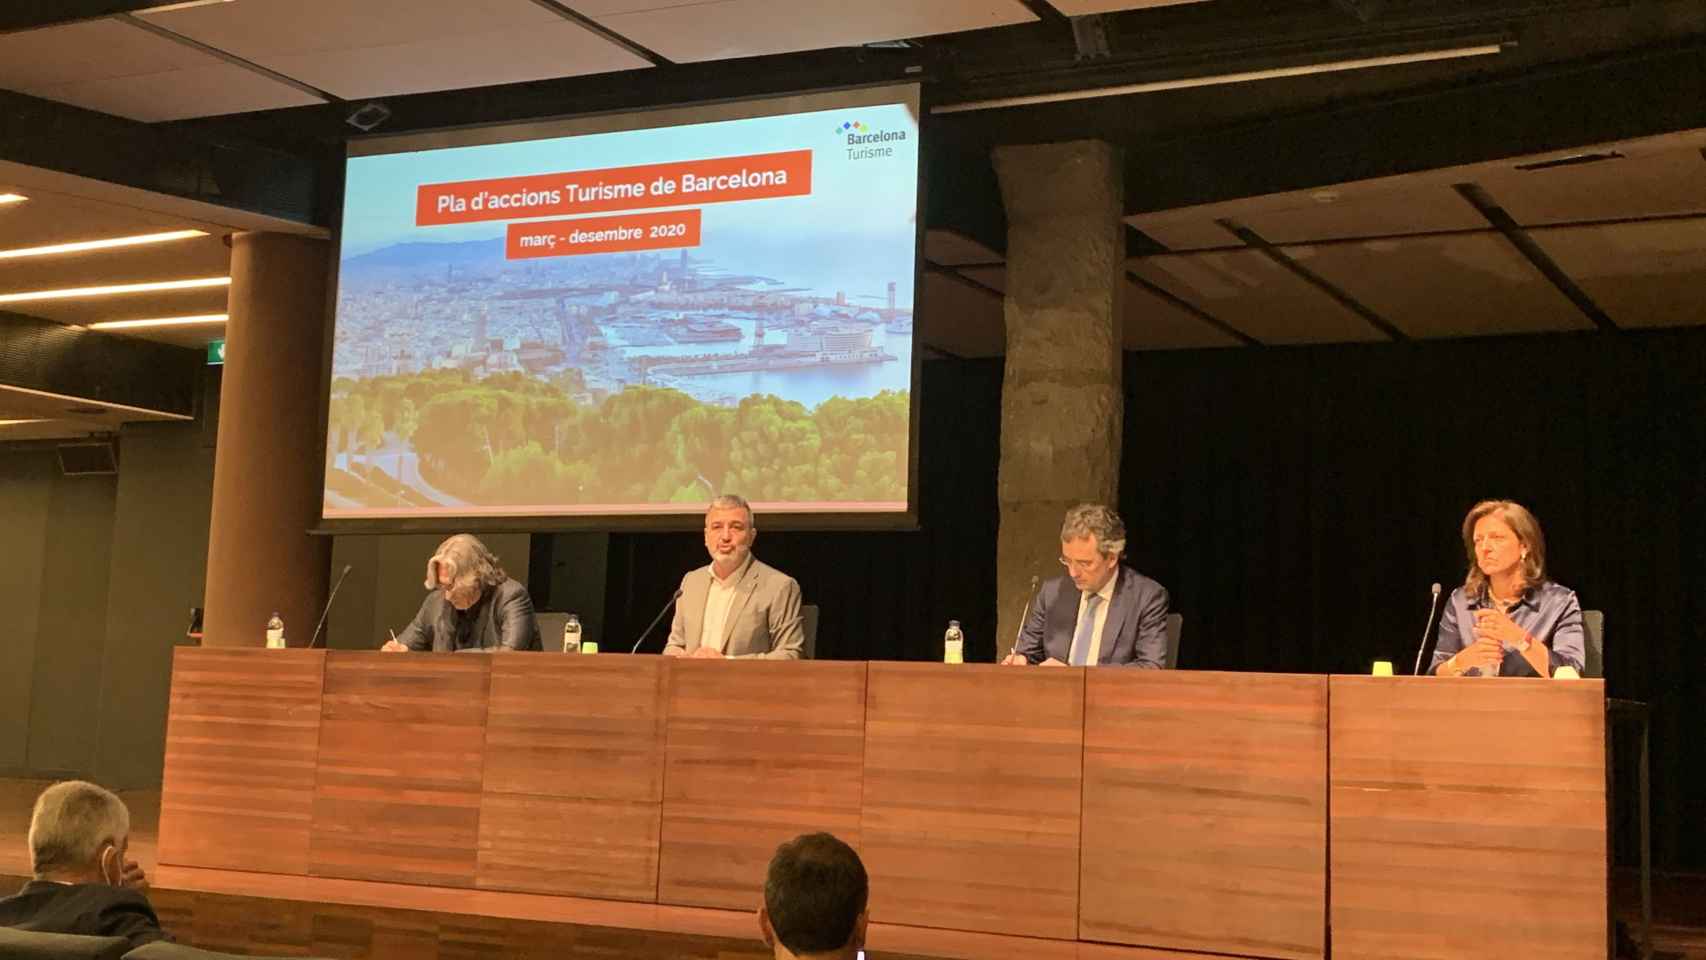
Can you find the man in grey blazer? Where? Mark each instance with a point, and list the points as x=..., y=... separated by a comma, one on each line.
x=736, y=606
x=1101, y=613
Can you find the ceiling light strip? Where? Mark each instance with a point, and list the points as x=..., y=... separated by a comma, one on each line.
x=84, y=246
x=116, y=289
x=195, y=320
x=12, y=198
x=1245, y=76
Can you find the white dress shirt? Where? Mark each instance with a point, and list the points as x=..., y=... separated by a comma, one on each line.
x=718, y=599
x=1107, y=595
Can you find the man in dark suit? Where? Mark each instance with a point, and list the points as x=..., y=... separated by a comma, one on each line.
x=79, y=835
x=1101, y=613
x=474, y=605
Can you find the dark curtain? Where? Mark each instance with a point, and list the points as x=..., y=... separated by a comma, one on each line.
x=1298, y=502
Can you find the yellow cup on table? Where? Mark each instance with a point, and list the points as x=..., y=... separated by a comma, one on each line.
x=1383, y=668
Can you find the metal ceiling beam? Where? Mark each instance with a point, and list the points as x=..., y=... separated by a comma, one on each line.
x=1501, y=220
x=1181, y=303
x=1256, y=242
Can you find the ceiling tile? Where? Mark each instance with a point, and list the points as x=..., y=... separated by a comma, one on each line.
x=1458, y=286
x=1637, y=186
x=1352, y=210
x=178, y=303
x=1251, y=293
x=1186, y=229
x=393, y=47
x=957, y=318
x=1640, y=274
x=196, y=257
x=1152, y=322
x=950, y=248
x=698, y=30
x=1079, y=8
x=117, y=68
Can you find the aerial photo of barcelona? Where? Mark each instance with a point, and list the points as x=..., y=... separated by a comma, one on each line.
x=773, y=358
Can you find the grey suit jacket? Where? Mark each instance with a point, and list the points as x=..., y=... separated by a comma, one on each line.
x=503, y=619
x=1134, y=635
x=764, y=616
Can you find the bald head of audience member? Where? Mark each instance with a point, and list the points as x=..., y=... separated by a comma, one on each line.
x=79, y=833
x=815, y=896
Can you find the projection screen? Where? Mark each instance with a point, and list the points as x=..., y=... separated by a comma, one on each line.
x=621, y=316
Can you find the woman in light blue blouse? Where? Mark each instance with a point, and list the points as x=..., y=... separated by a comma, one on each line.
x=1507, y=619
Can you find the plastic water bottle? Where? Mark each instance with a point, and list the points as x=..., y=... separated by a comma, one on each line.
x=275, y=632
x=953, y=644
x=572, y=634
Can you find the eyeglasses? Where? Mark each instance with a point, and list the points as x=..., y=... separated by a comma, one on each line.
x=1079, y=566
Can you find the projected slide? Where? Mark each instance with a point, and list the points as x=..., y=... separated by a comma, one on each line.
x=629, y=322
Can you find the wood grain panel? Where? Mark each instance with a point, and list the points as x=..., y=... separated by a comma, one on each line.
x=1205, y=812
x=402, y=740
x=1468, y=818
x=758, y=752
x=242, y=733
x=973, y=779
x=586, y=727
x=569, y=846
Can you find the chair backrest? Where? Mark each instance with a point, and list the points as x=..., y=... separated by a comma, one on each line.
x=1175, y=624
x=551, y=629
x=18, y=944
x=808, y=616
x=1593, y=635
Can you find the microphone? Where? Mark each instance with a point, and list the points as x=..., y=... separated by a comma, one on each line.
x=653, y=625
x=1020, y=633
x=1433, y=608
x=323, y=614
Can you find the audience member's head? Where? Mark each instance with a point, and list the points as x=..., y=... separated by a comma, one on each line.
x=79, y=833
x=814, y=900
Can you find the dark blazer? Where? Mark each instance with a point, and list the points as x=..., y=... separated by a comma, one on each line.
x=502, y=619
x=1134, y=635
x=87, y=909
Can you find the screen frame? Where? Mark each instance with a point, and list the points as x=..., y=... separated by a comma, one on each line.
x=674, y=114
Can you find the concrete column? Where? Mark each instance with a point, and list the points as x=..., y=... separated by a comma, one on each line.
x=267, y=467
x=1061, y=401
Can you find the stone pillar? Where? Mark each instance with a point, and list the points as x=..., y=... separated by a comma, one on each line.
x=1061, y=401
x=267, y=467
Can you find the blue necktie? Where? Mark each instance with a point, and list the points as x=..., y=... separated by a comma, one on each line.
x=1086, y=630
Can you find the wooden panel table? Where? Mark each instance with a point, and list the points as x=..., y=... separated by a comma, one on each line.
x=402, y=745
x=758, y=752
x=973, y=779
x=1468, y=818
x=241, y=741
x=574, y=776
x=1205, y=812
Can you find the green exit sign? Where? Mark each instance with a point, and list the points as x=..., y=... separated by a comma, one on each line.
x=216, y=351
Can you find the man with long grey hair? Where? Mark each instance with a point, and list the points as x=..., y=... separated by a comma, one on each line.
x=474, y=605
x=79, y=837
x=1101, y=612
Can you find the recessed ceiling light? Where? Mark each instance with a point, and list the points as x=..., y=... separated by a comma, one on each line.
x=195, y=320
x=114, y=289
x=82, y=246
x=12, y=198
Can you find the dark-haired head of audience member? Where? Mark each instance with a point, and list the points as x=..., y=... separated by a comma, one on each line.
x=814, y=900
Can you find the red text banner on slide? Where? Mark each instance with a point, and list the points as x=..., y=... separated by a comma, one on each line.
x=758, y=176
x=573, y=238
